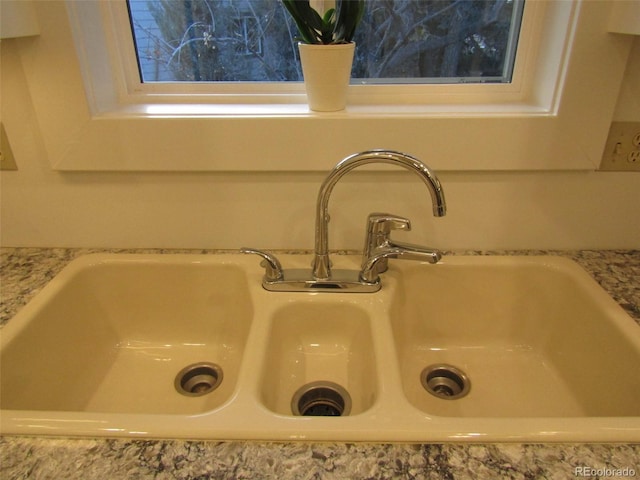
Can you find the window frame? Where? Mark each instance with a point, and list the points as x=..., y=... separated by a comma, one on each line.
x=364, y=92
x=117, y=129
x=131, y=90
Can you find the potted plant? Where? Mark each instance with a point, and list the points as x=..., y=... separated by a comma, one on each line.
x=326, y=49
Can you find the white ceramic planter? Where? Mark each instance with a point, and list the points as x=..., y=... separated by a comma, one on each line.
x=326, y=70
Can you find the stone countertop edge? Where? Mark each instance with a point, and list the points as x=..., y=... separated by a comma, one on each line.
x=25, y=271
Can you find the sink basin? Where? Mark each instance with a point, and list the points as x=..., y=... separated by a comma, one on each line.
x=110, y=336
x=531, y=339
x=474, y=348
x=318, y=341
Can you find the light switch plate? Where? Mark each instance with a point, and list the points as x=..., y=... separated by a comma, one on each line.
x=622, y=151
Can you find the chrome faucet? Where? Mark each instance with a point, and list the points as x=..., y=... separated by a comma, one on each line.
x=321, y=264
x=378, y=246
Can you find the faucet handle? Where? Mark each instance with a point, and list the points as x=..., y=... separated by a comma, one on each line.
x=272, y=266
x=383, y=223
x=379, y=227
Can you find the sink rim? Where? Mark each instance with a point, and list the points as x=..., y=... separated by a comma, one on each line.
x=413, y=425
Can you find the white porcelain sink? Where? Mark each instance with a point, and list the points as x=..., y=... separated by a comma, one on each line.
x=548, y=355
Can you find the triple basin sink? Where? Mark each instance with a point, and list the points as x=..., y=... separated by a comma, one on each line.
x=473, y=348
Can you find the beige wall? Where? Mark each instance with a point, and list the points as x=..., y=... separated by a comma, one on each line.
x=42, y=207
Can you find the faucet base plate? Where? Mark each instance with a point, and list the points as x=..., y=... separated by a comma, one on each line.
x=301, y=280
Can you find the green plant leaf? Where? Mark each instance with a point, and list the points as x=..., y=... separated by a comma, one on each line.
x=337, y=26
x=328, y=15
x=307, y=20
x=348, y=13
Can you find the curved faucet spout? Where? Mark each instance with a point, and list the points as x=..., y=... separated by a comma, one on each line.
x=321, y=264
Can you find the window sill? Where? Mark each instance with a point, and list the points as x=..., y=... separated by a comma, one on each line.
x=301, y=109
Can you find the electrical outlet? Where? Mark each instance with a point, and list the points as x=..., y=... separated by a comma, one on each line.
x=622, y=151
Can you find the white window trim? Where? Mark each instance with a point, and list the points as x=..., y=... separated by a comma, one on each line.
x=557, y=120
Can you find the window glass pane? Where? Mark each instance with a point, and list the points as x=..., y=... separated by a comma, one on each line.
x=398, y=41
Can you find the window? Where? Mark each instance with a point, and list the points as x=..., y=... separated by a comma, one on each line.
x=401, y=41
x=96, y=115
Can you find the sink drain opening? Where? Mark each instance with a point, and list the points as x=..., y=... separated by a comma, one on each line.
x=445, y=381
x=321, y=399
x=198, y=379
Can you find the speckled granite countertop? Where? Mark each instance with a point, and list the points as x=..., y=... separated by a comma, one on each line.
x=24, y=271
